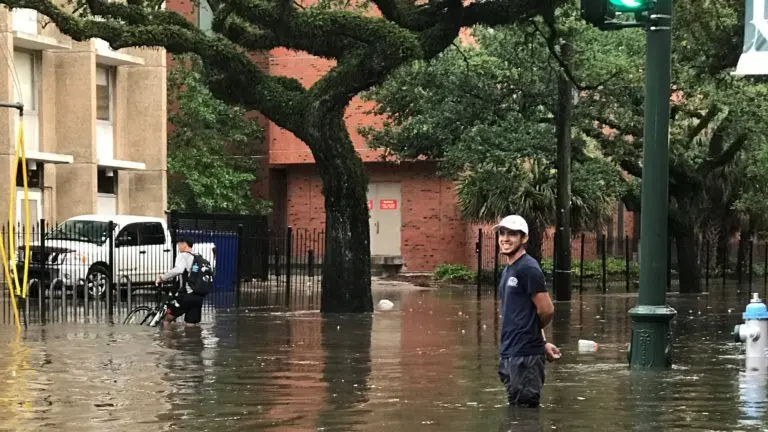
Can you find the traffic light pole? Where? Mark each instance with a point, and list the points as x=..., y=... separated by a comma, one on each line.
x=651, y=333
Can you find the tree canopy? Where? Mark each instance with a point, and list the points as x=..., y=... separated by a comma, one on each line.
x=486, y=110
x=212, y=147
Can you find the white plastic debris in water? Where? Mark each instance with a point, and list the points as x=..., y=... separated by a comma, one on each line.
x=385, y=305
x=587, y=345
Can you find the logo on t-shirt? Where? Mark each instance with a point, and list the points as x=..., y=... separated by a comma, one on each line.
x=512, y=281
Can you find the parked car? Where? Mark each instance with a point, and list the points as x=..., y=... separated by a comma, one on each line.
x=77, y=252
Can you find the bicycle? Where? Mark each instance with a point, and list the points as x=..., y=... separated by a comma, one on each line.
x=151, y=316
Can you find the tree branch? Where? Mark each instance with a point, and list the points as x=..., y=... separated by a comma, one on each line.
x=246, y=36
x=551, y=42
x=234, y=78
x=502, y=12
x=724, y=157
x=703, y=123
x=631, y=167
x=325, y=33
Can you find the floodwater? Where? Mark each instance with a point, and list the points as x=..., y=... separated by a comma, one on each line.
x=428, y=365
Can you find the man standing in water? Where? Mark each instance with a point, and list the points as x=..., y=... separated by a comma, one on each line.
x=526, y=309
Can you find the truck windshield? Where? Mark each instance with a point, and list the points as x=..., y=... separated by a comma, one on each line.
x=80, y=230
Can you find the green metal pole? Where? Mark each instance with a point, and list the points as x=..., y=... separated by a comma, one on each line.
x=651, y=334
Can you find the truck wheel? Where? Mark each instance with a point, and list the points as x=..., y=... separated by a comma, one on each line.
x=97, y=282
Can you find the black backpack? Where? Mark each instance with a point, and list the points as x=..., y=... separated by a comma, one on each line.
x=200, y=277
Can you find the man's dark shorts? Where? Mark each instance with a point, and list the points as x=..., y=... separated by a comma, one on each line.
x=191, y=306
x=523, y=377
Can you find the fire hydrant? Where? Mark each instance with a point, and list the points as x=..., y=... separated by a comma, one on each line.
x=754, y=331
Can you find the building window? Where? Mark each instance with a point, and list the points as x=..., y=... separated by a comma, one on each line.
x=204, y=16
x=34, y=175
x=107, y=181
x=105, y=84
x=26, y=85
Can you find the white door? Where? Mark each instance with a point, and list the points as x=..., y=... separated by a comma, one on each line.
x=384, y=203
x=107, y=204
x=35, y=213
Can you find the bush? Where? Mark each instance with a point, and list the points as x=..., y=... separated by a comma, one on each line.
x=456, y=273
x=614, y=268
x=593, y=269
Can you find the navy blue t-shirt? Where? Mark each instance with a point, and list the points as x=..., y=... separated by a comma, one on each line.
x=520, y=329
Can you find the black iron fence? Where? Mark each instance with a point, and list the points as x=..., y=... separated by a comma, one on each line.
x=98, y=270
x=611, y=264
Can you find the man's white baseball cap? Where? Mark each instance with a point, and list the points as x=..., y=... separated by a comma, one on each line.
x=513, y=223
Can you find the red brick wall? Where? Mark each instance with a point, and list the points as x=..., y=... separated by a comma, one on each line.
x=432, y=231
x=284, y=147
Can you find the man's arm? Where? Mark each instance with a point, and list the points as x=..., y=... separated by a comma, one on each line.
x=544, y=308
x=178, y=268
x=540, y=296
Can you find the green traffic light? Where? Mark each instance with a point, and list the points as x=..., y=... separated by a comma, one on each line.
x=630, y=5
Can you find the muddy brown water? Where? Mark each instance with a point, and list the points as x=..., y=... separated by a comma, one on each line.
x=428, y=365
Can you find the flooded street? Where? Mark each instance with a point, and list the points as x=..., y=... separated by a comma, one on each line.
x=429, y=364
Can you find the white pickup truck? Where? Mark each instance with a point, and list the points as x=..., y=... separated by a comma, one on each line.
x=77, y=252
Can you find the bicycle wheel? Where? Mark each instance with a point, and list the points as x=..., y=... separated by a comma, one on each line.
x=140, y=315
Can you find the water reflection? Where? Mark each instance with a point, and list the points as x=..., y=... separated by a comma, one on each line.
x=515, y=419
x=752, y=390
x=429, y=364
x=346, y=341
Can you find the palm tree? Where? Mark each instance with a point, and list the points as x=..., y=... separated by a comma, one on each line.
x=528, y=188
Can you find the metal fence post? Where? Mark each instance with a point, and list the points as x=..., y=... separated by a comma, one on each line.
x=111, y=240
x=238, y=265
x=603, y=257
x=725, y=265
x=288, y=253
x=626, y=260
x=581, y=265
x=706, y=269
x=479, y=250
x=277, y=258
x=751, y=261
x=311, y=263
x=496, y=252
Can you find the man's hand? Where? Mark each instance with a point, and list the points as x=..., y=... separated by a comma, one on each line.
x=552, y=352
x=158, y=279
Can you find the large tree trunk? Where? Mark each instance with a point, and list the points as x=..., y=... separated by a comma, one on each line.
x=688, y=266
x=346, y=285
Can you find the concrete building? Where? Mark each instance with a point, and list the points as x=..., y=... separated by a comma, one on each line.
x=94, y=122
x=414, y=217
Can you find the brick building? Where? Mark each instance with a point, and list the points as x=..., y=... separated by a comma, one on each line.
x=414, y=217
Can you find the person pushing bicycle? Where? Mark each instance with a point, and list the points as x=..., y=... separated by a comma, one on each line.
x=187, y=303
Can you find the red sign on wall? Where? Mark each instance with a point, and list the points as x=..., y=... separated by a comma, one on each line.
x=370, y=204
x=388, y=204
